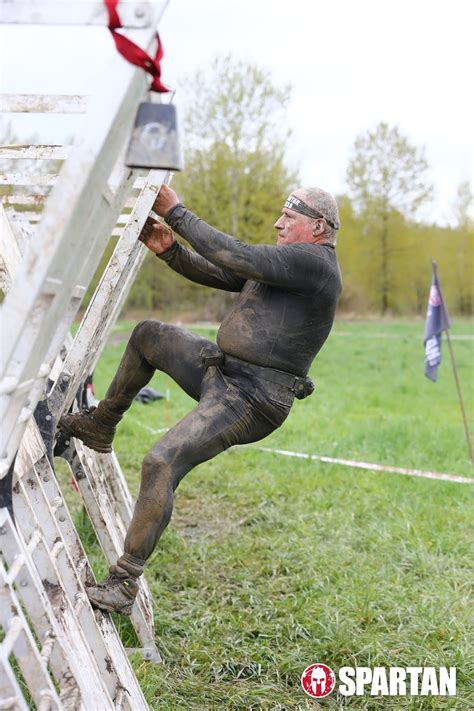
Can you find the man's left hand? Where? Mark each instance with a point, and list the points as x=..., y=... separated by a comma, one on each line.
x=156, y=236
x=165, y=200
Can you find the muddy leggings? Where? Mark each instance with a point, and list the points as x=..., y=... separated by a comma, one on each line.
x=234, y=407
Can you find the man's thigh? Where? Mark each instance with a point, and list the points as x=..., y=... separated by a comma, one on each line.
x=224, y=417
x=176, y=352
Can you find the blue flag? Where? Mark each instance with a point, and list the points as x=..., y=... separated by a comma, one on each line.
x=437, y=320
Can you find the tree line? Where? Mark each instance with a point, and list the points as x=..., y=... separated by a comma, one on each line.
x=236, y=179
x=391, y=279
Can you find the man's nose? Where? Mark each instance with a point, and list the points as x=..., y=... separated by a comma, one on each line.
x=278, y=225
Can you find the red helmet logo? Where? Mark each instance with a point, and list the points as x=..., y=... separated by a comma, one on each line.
x=318, y=680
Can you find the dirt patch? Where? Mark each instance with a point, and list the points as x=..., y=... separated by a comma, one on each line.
x=197, y=518
x=55, y=594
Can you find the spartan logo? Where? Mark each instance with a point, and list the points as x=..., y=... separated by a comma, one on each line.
x=318, y=680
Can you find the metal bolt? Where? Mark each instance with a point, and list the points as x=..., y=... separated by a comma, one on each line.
x=139, y=12
x=23, y=583
x=62, y=518
x=46, y=478
x=3, y=530
x=48, y=418
x=65, y=378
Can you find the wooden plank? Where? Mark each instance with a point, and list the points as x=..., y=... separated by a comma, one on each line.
x=45, y=180
x=10, y=255
x=32, y=665
x=37, y=152
x=35, y=179
x=104, y=511
x=74, y=12
x=43, y=103
x=50, y=516
x=24, y=216
x=57, y=307
x=51, y=612
x=97, y=319
x=37, y=200
x=69, y=228
x=40, y=611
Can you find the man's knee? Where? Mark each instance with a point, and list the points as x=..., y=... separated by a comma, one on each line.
x=156, y=471
x=144, y=331
x=164, y=467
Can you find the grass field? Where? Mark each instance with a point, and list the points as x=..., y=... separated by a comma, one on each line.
x=272, y=563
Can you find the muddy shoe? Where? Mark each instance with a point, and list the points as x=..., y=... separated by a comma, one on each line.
x=114, y=594
x=89, y=427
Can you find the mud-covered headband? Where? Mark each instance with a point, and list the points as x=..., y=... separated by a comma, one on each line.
x=297, y=205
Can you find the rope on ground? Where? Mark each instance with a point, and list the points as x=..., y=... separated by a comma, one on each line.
x=368, y=466
x=347, y=462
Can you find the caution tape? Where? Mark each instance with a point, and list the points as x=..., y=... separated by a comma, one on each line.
x=368, y=466
x=345, y=462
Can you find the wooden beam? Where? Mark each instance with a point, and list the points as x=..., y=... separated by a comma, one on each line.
x=38, y=152
x=75, y=12
x=43, y=103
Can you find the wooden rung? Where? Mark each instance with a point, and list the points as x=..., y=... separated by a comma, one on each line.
x=47, y=647
x=43, y=103
x=34, y=152
x=34, y=540
x=56, y=549
x=24, y=199
x=12, y=633
x=15, y=568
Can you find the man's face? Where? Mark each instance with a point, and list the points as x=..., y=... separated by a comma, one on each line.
x=293, y=227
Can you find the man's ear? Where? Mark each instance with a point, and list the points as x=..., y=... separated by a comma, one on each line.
x=318, y=228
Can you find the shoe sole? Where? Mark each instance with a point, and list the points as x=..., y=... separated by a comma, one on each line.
x=108, y=608
x=97, y=447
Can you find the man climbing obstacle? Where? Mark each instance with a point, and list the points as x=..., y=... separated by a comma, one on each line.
x=245, y=385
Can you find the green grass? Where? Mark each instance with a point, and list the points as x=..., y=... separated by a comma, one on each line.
x=272, y=563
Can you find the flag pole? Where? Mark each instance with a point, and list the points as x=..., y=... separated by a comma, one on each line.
x=455, y=371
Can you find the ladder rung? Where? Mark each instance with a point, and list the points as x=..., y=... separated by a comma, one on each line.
x=47, y=647
x=34, y=540
x=25, y=414
x=13, y=631
x=16, y=566
x=81, y=600
x=56, y=549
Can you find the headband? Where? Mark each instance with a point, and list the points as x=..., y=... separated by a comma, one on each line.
x=297, y=205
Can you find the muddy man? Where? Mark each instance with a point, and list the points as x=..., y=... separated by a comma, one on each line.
x=246, y=384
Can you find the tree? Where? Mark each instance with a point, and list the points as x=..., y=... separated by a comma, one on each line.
x=463, y=206
x=462, y=246
x=387, y=177
x=235, y=140
x=235, y=175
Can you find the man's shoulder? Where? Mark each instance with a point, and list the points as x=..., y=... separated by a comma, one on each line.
x=319, y=260
x=313, y=252
x=315, y=246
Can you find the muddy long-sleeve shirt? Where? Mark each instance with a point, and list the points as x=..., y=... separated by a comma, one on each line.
x=288, y=294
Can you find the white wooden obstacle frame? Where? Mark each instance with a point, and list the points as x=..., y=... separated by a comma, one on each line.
x=55, y=650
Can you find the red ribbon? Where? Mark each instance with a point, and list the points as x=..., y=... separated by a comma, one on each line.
x=132, y=52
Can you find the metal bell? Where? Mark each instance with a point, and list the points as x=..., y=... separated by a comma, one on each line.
x=154, y=141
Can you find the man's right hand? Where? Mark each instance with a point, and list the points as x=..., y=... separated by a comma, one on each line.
x=156, y=236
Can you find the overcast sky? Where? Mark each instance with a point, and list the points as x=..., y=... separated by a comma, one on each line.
x=351, y=65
